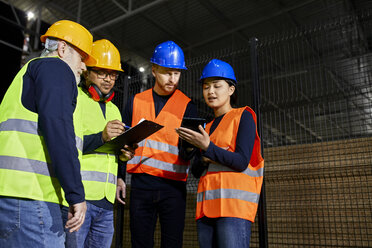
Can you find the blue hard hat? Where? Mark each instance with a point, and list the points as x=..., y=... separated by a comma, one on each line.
x=169, y=54
x=218, y=68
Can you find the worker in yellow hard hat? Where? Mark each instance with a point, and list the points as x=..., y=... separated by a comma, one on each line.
x=41, y=142
x=77, y=37
x=101, y=123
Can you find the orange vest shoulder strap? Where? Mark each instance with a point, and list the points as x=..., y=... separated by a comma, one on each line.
x=143, y=107
x=256, y=160
x=227, y=118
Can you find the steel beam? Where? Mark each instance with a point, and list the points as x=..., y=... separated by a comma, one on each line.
x=128, y=14
x=254, y=22
x=11, y=45
x=79, y=11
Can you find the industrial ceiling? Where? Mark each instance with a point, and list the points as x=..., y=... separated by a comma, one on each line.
x=198, y=26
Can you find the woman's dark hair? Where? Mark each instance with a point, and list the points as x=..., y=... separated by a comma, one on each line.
x=234, y=96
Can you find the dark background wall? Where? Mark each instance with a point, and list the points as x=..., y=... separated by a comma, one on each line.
x=11, y=58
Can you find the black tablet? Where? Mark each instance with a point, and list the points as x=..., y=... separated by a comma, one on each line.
x=193, y=123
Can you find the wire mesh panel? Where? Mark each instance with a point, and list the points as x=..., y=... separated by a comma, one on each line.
x=316, y=114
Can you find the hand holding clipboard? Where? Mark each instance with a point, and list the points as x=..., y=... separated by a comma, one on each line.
x=131, y=136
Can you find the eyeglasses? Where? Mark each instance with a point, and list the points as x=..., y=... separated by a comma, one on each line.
x=103, y=74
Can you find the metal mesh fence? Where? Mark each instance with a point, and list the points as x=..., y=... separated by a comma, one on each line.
x=316, y=114
x=316, y=117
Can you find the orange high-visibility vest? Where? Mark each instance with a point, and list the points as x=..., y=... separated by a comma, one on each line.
x=158, y=154
x=223, y=192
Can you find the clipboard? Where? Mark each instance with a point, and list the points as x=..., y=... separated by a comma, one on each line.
x=132, y=136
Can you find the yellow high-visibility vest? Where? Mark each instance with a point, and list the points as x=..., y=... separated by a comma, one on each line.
x=25, y=167
x=98, y=170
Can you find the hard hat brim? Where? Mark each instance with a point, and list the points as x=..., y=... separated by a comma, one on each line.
x=169, y=66
x=90, y=60
x=43, y=38
x=106, y=67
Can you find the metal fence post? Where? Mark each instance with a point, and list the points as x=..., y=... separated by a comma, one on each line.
x=262, y=222
x=125, y=93
x=119, y=225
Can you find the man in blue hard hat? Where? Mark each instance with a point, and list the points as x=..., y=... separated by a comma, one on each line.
x=160, y=165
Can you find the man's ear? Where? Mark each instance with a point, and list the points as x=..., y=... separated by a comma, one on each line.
x=153, y=69
x=62, y=48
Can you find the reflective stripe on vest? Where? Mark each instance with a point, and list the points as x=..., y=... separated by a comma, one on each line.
x=27, y=165
x=160, y=164
x=30, y=127
x=228, y=194
x=159, y=146
x=221, y=168
x=98, y=176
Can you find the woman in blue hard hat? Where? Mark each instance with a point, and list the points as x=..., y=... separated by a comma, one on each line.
x=230, y=165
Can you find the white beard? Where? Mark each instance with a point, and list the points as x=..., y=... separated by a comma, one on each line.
x=78, y=79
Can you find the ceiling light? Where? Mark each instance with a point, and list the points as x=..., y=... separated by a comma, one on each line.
x=30, y=15
x=141, y=69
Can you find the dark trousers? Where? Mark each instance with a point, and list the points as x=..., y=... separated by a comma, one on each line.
x=146, y=206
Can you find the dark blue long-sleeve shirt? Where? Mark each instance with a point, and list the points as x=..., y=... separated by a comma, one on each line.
x=237, y=160
x=49, y=89
x=143, y=180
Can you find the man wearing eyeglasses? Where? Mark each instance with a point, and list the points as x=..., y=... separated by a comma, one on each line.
x=99, y=170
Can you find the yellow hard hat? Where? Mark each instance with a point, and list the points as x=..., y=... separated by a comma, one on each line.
x=106, y=54
x=74, y=34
